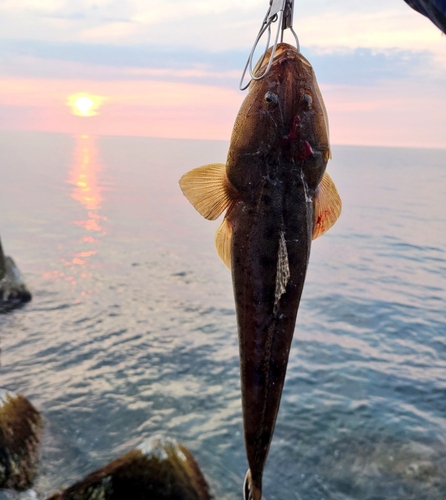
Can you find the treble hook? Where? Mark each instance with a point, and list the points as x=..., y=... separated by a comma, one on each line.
x=280, y=11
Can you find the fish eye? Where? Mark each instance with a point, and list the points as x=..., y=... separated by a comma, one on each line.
x=307, y=100
x=271, y=99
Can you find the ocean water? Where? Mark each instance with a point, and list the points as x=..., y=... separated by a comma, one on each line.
x=132, y=331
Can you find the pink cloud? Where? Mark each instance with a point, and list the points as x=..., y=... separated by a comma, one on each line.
x=144, y=108
x=390, y=113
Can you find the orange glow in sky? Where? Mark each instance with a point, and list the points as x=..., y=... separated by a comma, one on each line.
x=381, y=66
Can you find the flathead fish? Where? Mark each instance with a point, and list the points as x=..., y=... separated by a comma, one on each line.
x=277, y=198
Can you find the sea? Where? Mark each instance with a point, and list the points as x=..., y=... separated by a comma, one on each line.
x=132, y=331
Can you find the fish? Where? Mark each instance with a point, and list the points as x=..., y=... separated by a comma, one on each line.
x=277, y=198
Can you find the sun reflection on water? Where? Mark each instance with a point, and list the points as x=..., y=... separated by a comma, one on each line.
x=84, y=175
x=86, y=189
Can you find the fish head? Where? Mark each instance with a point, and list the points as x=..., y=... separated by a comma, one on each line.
x=283, y=115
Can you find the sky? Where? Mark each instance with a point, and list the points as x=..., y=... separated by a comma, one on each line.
x=171, y=68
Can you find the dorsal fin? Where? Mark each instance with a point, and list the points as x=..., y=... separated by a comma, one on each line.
x=223, y=238
x=208, y=189
x=327, y=206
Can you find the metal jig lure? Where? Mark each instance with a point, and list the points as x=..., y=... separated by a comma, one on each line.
x=280, y=11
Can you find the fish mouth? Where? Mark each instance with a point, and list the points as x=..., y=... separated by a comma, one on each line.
x=283, y=52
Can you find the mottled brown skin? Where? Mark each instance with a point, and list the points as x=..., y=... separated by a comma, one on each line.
x=278, y=155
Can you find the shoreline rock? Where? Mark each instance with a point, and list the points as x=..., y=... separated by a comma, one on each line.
x=2, y=262
x=13, y=291
x=159, y=469
x=20, y=433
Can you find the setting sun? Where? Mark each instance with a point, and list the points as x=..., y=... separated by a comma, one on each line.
x=84, y=104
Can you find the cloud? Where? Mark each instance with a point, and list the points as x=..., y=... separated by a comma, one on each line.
x=142, y=56
x=388, y=113
x=360, y=66
x=217, y=25
x=363, y=66
x=375, y=60
x=183, y=22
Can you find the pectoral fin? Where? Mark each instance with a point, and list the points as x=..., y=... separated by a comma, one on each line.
x=208, y=190
x=223, y=241
x=327, y=206
x=250, y=490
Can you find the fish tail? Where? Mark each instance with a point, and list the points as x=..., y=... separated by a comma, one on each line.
x=251, y=490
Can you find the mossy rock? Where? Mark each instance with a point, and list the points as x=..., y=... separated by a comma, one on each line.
x=20, y=433
x=159, y=469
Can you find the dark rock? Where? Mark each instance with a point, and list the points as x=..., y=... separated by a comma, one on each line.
x=2, y=262
x=159, y=469
x=13, y=291
x=20, y=432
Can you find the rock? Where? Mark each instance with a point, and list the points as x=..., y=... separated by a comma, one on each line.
x=13, y=291
x=2, y=262
x=20, y=432
x=159, y=469
x=15, y=495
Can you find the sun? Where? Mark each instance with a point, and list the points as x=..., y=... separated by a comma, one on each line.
x=85, y=104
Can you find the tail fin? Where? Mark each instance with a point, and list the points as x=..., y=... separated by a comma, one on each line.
x=251, y=491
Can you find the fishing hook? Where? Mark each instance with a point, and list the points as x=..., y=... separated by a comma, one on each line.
x=280, y=11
